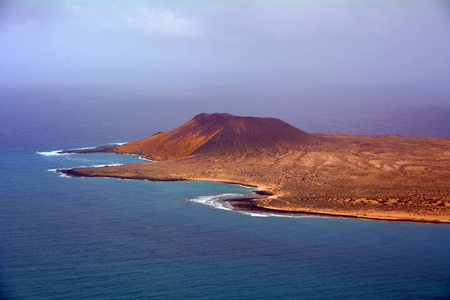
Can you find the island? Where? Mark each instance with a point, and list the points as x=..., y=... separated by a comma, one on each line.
x=392, y=177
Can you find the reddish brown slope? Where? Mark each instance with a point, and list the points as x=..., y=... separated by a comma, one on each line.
x=177, y=143
x=218, y=133
x=241, y=134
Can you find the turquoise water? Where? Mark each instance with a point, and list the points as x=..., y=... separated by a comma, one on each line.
x=99, y=238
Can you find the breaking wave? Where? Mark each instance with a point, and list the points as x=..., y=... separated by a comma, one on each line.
x=215, y=201
x=99, y=166
x=51, y=153
x=59, y=152
x=60, y=174
x=219, y=202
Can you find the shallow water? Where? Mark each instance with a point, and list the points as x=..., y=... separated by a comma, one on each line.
x=72, y=238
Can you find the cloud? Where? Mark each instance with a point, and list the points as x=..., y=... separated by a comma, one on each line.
x=163, y=23
x=153, y=20
x=313, y=42
x=41, y=13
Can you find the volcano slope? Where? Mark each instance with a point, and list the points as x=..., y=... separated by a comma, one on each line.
x=378, y=177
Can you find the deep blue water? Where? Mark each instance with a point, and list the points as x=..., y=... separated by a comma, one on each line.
x=83, y=238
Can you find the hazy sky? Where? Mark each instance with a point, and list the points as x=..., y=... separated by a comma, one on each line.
x=310, y=43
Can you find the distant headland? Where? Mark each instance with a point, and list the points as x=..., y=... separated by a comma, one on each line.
x=375, y=177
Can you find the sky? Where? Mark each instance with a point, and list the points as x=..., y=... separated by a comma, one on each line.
x=276, y=43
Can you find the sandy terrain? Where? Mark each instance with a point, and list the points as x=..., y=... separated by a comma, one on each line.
x=377, y=177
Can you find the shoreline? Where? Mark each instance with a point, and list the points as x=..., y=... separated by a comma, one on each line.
x=74, y=173
x=247, y=204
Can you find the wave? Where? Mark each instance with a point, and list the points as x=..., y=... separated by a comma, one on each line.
x=62, y=175
x=214, y=201
x=244, y=186
x=51, y=153
x=99, y=166
x=59, y=152
x=91, y=166
x=282, y=215
x=218, y=202
x=140, y=157
x=84, y=148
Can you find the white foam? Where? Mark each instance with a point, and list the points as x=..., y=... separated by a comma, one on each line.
x=84, y=148
x=118, y=144
x=51, y=153
x=279, y=215
x=214, y=201
x=287, y=215
x=99, y=166
x=259, y=215
x=59, y=152
x=245, y=186
x=140, y=157
x=218, y=203
x=60, y=174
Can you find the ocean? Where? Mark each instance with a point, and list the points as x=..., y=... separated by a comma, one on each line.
x=102, y=238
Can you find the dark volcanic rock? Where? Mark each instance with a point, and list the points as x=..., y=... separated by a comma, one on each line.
x=109, y=148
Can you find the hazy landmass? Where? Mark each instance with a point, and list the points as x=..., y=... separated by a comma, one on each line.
x=380, y=177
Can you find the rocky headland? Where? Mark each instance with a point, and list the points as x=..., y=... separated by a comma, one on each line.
x=377, y=177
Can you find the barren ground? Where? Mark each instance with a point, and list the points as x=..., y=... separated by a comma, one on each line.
x=379, y=177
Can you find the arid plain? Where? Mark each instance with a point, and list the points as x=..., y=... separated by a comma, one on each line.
x=378, y=177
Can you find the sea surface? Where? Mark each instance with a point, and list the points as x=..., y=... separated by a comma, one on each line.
x=100, y=238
